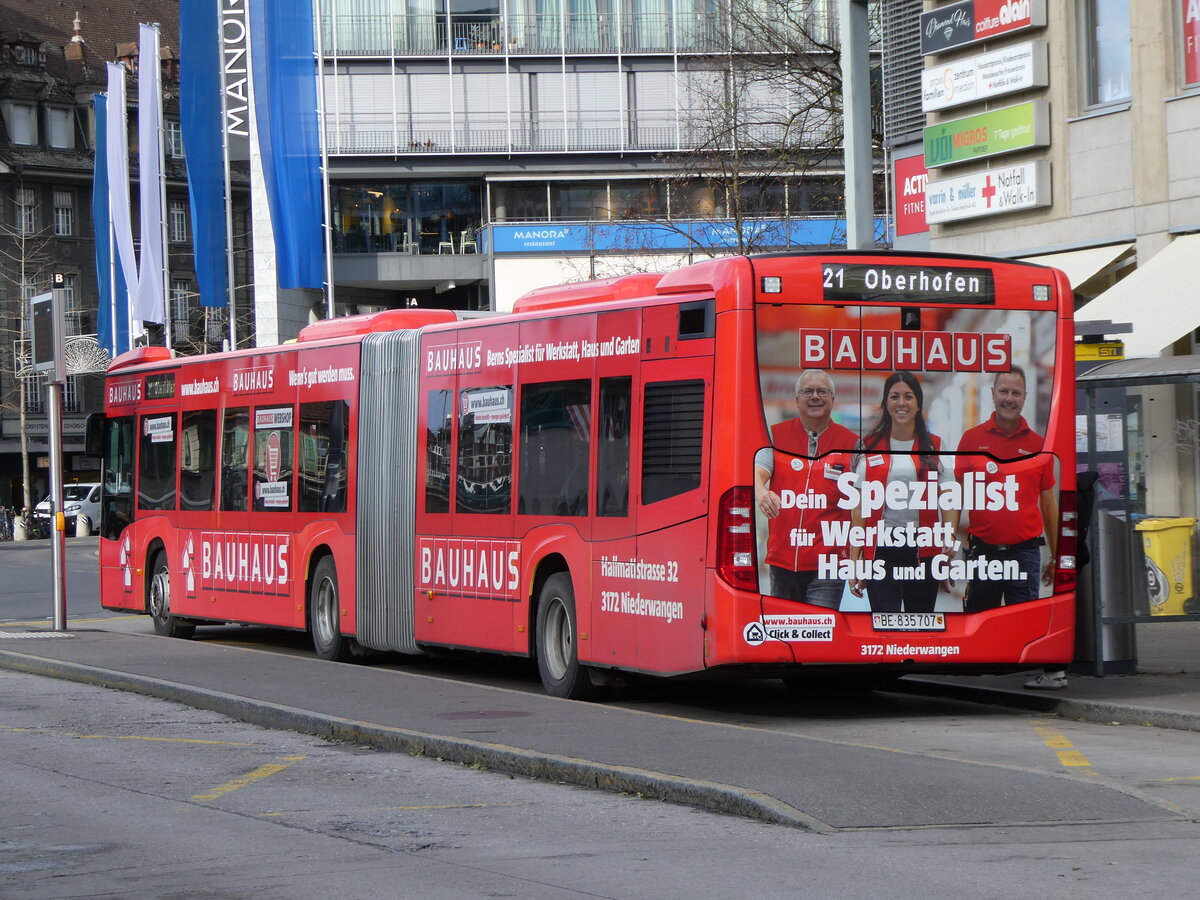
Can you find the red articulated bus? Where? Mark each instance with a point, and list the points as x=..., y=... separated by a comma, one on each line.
x=750, y=465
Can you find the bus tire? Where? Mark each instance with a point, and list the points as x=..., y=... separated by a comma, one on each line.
x=324, y=613
x=558, y=640
x=158, y=601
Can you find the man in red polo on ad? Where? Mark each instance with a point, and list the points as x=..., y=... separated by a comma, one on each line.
x=1006, y=534
x=795, y=487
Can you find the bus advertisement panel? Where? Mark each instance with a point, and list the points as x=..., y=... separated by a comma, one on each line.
x=918, y=455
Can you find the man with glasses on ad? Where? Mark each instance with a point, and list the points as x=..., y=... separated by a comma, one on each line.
x=795, y=487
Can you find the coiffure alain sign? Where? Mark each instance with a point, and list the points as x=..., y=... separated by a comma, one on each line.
x=964, y=23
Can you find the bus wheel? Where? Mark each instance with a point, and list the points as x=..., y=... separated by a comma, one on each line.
x=324, y=613
x=557, y=642
x=158, y=603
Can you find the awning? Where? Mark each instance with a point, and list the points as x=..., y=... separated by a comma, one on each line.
x=1130, y=372
x=1158, y=298
x=1081, y=265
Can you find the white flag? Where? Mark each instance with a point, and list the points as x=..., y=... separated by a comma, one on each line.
x=118, y=180
x=150, y=305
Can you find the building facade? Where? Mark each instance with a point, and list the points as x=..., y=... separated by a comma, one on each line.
x=1064, y=132
x=52, y=61
x=1083, y=113
x=479, y=150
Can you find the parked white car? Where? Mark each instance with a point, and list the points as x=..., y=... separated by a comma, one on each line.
x=78, y=499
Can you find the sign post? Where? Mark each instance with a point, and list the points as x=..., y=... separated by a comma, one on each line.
x=47, y=329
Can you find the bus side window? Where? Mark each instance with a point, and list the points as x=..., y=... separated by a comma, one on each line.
x=156, y=462
x=273, y=442
x=612, y=454
x=672, y=438
x=439, y=426
x=485, y=451
x=555, y=443
x=324, y=440
x=235, y=438
x=197, y=459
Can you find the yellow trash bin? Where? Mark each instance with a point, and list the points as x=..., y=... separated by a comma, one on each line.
x=1168, y=545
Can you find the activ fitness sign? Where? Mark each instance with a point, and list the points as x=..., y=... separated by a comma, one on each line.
x=1004, y=130
x=964, y=23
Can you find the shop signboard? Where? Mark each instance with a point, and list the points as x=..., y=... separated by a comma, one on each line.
x=1006, y=130
x=910, y=195
x=987, y=193
x=969, y=21
x=1006, y=71
x=1191, y=41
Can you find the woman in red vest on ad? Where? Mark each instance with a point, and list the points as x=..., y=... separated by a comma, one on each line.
x=902, y=539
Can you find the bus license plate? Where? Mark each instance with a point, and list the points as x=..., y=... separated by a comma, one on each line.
x=898, y=621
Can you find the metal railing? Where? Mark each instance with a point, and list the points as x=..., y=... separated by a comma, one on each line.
x=446, y=133
x=475, y=35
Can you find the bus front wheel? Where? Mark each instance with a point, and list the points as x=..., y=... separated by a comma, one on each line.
x=324, y=613
x=557, y=642
x=158, y=601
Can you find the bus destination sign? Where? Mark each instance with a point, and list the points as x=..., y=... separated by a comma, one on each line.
x=857, y=283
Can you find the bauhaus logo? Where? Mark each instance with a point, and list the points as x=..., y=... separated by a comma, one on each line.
x=924, y=351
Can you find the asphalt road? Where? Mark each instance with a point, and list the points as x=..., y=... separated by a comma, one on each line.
x=27, y=580
x=114, y=794
x=79, y=756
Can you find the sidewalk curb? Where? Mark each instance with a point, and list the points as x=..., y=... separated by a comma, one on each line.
x=706, y=795
x=1103, y=712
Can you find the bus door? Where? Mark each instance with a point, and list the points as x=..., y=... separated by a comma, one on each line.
x=198, y=433
x=613, y=633
x=117, y=513
x=666, y=581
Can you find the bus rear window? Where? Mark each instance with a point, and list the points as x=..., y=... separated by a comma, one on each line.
x=954, y=354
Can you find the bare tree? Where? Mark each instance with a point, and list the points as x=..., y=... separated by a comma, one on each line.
x=25, y=262
x=764, y=132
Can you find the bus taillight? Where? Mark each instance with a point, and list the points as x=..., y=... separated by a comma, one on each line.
x=1068, y=534
x=735, y=539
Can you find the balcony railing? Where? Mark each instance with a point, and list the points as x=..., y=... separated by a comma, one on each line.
x=644, y=130
x=475, y=35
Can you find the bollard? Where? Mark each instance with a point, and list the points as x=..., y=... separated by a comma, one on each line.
x=20, y=529
x=83, y=526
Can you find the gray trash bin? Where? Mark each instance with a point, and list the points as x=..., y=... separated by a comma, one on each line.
x=1107, y=587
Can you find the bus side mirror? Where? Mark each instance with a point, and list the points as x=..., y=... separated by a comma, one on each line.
x=93, y=439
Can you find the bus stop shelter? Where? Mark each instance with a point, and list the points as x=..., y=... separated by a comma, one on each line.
x=1138, y=447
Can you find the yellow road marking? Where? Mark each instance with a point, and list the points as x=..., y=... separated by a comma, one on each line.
x=249, y=778
x=1072, y=758
x=1062, y=746
x=123, y=737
